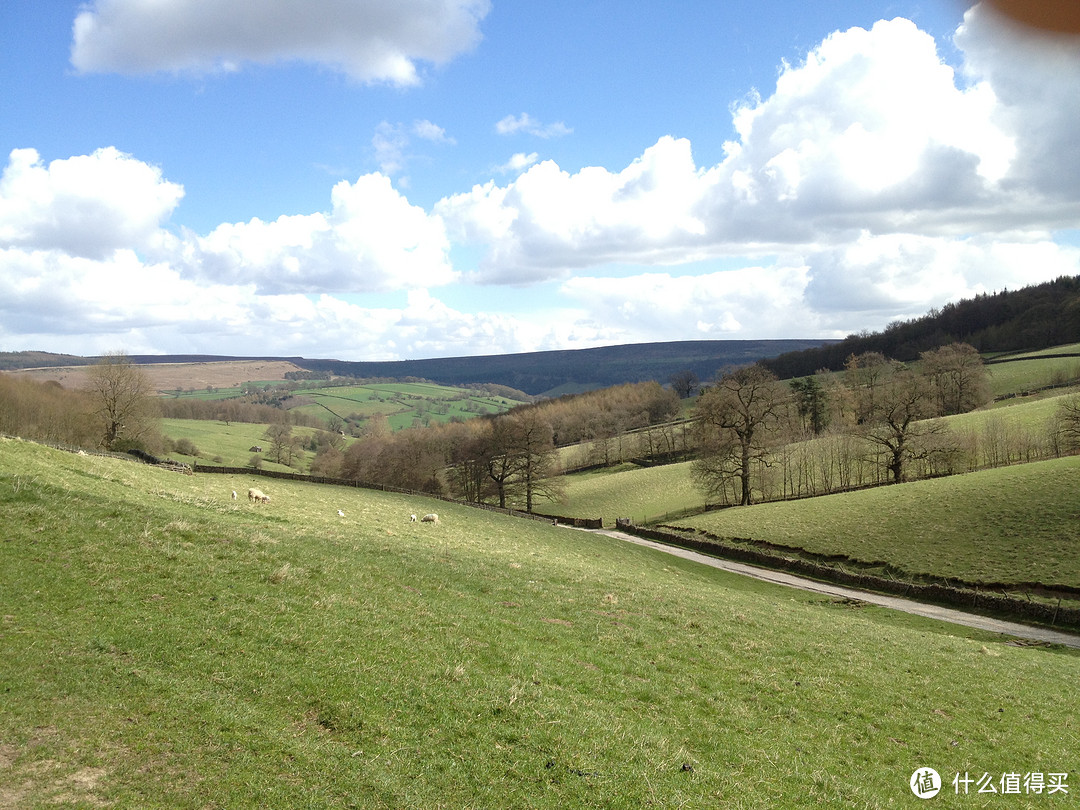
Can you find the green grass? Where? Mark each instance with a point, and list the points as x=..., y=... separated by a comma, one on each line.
x=1011, y=524
x=1018, y=376
x=232, y=442
x=403, y=403
x=641, y=493
x=647, y=494
x=164, y=646
x=217, y=393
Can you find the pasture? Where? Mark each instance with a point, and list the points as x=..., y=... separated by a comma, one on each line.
x=404, y=404
x=231, y=443
x=1014, y=430
x=1034, y=371
x=1010, y=525
x=163, y=646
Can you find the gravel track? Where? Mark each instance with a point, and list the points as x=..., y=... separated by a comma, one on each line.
x=1011, y=629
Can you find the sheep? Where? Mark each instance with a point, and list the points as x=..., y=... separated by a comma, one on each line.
x=432, y=518
x=340, y=513
x=234, y=494
x=412, y=518
x=258, y=496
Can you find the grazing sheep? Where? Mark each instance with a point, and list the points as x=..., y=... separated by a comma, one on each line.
x=412, y=518
x=432, y=518
x=340, y=513
x=234, y=494
x=258, y=496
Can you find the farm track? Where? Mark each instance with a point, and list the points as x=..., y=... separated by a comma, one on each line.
x=1005, y=628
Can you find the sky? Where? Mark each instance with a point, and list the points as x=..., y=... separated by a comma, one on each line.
x=406, y=179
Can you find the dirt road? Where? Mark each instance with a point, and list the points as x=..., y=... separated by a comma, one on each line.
x=1005, y=628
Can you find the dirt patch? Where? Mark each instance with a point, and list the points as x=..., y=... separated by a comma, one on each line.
x=171, y=376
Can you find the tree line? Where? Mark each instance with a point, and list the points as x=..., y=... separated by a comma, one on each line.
x=879, y=421
x=1028, y=319
x=752, y=435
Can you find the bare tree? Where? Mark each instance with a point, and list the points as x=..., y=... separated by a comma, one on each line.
x=1068, y=423
x=123, y=399
x=736, y=418
x=899, y=425
x=684, y=383
x=863, y=374
x=532, y=445
x=958, y=378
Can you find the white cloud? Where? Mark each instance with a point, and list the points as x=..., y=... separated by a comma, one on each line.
x=872, y=131
x=431, y=132
x=391, y=143
x=372, y=240
x=878, y=279
x=548, y=221
x=518, y=162
x=371, y=41
x=875, y=183
x=511, y=125
x=1035, y=79
x=88, y=205
x=766, y=302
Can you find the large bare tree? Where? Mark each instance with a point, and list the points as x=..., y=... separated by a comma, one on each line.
x=736, y=418
x=958, y=378
x=123, y=398
x=900, y=424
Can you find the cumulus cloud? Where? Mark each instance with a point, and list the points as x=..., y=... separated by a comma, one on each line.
x=373, y=41
x=88, y=205
x=512, y=125
x=716, y=305
x=875, y=183
x=548, y=221
x=372, y=240
x=871, y=132
x=1035, y=78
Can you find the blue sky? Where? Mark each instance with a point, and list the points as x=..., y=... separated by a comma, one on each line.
x=384, y=179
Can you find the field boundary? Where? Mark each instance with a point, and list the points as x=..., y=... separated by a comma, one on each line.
x=952, y=593
x=349, y=482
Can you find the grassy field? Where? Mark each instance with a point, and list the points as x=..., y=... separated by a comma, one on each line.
x=1011, y=524
x=1037, y=371
x=648, y=493
x=162, y=646
x=641, y=493
x=404, y=404
x=231, y=443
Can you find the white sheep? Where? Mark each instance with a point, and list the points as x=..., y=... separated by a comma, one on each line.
x=258, y=496
x=234, y=494
x=432, y=518
x=340, y=513
x=412, y=518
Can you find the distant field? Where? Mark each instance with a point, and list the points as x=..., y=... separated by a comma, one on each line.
x=404, y=404
x=168, y=377
x=162, y=646
x=232, y=442
x=1011, y=525
x=647, y=494
x=1017, y=376
x=212, y=393
x=642, y=493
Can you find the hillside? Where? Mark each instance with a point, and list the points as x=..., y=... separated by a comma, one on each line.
x=535, y=373
x=541, y=372
x=163, y=646
x=1027, y=319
